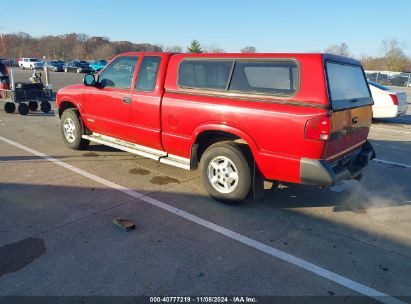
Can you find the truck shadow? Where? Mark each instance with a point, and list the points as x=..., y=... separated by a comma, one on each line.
x=346, y=196
x=383, y=186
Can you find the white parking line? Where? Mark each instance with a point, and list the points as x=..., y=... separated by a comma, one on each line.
x=390, y=130
x=387, y=162
x=329, y=275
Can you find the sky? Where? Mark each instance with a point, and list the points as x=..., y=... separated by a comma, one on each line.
x=270, y=26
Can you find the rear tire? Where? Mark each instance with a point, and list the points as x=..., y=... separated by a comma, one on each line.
x=45, y=107
x=72, y=131
x=23, y=109
x=225, y=172
x=33, y=106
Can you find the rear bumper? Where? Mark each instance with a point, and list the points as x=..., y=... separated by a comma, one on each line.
x=319, y=172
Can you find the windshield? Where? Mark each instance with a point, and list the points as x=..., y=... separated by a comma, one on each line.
x=347, y=86
x=34, y=60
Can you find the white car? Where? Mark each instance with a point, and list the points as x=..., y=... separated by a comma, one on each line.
x=31, y=63
x=387, y=102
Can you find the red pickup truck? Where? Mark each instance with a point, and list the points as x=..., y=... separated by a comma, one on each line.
x=300, y=118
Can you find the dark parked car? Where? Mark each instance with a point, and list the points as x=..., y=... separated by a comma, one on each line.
x=77, y=66
x=55, y=65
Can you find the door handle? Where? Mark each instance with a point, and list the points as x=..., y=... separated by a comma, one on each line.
x=127, y=100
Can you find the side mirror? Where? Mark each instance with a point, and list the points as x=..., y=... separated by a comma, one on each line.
x=89, y=80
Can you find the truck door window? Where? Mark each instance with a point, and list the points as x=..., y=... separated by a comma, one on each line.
x=119, y=74
x=147, y=75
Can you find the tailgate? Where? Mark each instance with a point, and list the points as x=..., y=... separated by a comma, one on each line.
x=349, y=131
x=351, y=103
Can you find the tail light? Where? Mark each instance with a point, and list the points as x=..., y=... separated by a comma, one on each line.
x=394, y=99
x=318, y=129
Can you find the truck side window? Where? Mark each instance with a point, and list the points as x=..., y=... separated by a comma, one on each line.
x=119, y=74
x=147, y=75
x=204, y=74
x=265, y=77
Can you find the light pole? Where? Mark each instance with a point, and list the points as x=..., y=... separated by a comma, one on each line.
x=46, y=72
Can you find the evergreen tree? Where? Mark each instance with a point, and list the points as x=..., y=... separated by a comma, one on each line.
x=195, y=47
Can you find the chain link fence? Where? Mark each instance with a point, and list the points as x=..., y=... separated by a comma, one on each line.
x=388, y=78
x=9, y=62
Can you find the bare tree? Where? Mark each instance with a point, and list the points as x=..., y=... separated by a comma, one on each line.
x=249, y=49
x=68, y=46
x=2, y=45
x=106, y=51
x=79, y=51
x=213, y=49
x=395, y=59
x=338, y=49
x=373, y=63
x=173, y=49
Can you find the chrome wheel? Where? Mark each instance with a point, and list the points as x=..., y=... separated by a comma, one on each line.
x=222, y=174
x=69, y=129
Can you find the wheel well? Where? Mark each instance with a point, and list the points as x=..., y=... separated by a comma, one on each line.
x=64, y=106
x=208, y=138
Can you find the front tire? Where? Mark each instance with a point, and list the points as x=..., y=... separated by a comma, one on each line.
x=72, y=131
x=225, y=172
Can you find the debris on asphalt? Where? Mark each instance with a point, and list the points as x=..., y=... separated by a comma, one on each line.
x=124, y=224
